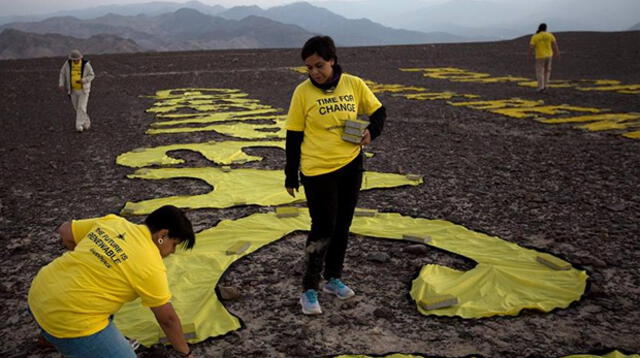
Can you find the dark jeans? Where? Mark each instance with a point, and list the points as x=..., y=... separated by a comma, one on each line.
x=331, y=199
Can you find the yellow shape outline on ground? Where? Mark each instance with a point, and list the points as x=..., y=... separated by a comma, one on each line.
x=506, y=279
x=521, y=108
x=223, y=117
x=227, y=152
x=239, y=130
x=239, y=187
x=455, y=74
x=613, y=354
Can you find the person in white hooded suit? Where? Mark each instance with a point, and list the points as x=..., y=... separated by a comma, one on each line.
x=75, y=78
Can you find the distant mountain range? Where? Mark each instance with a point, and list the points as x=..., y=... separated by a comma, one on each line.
x=151, y=8
x=19, y=44
x=170, y=26
x=346, y=32
x=477, y=19
x=472, y=19
x=635, y=27
x=238, y=27
x=185, y=29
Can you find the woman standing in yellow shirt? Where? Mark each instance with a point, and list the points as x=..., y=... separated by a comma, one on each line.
x=544, y=45
x=331, y=167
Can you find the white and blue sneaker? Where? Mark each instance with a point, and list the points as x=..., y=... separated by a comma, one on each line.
x=309, y=303
x=338, y=288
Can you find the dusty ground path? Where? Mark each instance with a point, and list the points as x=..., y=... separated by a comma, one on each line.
x=549, y=187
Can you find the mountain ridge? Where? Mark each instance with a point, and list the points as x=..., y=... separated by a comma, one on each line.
x=185, y=29
x=16, y=44
x=347, y=32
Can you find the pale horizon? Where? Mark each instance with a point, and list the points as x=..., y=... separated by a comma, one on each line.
x=44, y=7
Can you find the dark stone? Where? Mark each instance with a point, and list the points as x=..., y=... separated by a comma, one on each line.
x=417, y=249
x=229, y=293
x=380, y=257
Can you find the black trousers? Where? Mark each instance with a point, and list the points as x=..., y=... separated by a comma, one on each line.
x=332, y=199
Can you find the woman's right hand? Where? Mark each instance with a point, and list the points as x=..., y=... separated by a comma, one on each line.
x=178, y=354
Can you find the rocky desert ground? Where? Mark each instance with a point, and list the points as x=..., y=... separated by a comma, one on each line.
x=550, y=187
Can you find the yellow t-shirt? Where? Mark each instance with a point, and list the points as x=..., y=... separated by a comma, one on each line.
x=76, y=75
x=542, y=42
x=114, y=262
x=321, y=116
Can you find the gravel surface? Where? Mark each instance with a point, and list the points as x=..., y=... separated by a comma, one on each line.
x=550, y=187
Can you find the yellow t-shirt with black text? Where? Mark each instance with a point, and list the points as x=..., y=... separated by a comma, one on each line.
x=76, y=75
x=542, y=43
x=321, y=116
x=114, y=262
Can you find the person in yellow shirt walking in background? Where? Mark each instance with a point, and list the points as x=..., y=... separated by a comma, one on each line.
x=331, y=167
x=110, y=261
x=543, y=46
x=75, y=78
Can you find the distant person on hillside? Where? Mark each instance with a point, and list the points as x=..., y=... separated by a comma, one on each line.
x=544, y=45
x=331, y=167
x=110, y=261
x=75, y=78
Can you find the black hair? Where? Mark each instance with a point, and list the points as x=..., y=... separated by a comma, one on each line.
x=542, y=27
x=323, y=46
x=175, y=221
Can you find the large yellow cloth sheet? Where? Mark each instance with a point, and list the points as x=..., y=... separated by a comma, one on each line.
x=506, y=280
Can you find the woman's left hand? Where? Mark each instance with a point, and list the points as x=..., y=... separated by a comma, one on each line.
x=292, y=191
x=366, y=138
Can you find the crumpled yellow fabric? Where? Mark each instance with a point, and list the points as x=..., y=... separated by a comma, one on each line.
x=601, y=122
x=448, y=73
x=624, y=89
x=239, y=187
x=186, y=93
x=461, y=75
x=506, y=280
x=632, y=135
x=519, y=108
x=397, y=355
x=211, y=99
x=613, y=354
x=226, y=152
x=435, y=96
x=265, y=114
x=552, y=84
x=239, y=130
x=526, y=112
x=489, y=105
x=202, y=107
x=614, y=117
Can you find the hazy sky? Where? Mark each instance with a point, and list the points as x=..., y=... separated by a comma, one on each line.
x=36, y=7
